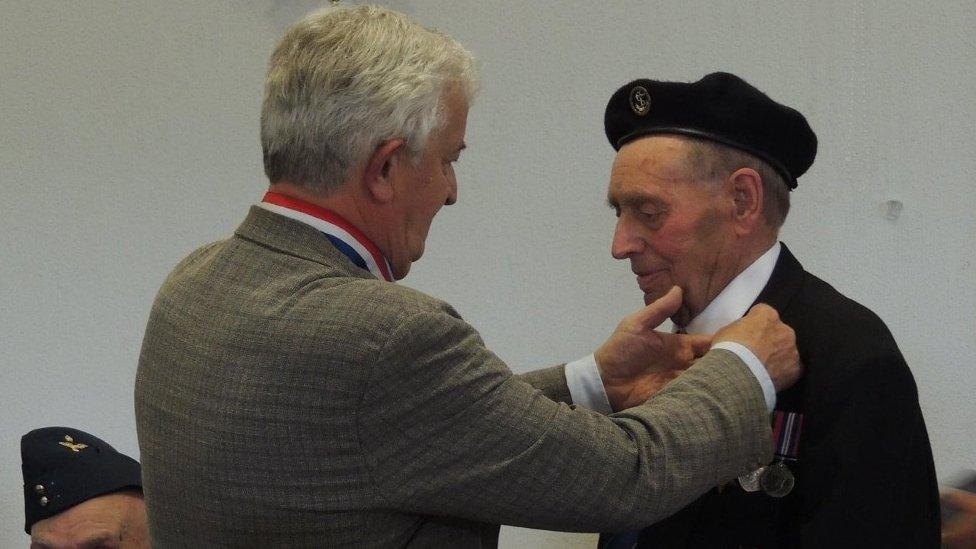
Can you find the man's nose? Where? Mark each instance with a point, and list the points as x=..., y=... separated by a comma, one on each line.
x=452, y=192
x=625, y=242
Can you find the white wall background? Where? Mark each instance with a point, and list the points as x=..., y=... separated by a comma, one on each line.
x=129, y=136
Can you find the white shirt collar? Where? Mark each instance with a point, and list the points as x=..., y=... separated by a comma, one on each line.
x=734, y=301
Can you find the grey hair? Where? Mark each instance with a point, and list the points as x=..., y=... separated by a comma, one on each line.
x=713, y=160
x=343, y=80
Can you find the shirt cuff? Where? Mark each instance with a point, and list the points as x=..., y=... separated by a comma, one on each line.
x=586, y=385
x=757, y=368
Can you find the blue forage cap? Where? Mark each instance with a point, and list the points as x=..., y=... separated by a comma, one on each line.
x=64, y=467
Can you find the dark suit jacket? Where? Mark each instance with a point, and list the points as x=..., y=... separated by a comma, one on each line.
x=865, y=476
x=286, y=398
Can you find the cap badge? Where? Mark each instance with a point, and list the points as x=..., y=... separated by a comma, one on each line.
x=69, y=443
x=640, y=100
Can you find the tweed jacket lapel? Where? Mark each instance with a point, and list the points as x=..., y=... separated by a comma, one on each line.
x=295, y=238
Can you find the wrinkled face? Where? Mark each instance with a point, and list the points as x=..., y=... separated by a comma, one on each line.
x=427, y=186
x=672, y=228
x=113, y=521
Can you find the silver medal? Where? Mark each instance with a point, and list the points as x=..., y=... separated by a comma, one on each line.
x=777, y=480
x=750, y=481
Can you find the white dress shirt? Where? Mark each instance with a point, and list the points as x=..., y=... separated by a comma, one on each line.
x=583, y=376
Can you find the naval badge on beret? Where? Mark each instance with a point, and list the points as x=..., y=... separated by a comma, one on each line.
x=64, y=467
x=640, y=100
x=720, y=107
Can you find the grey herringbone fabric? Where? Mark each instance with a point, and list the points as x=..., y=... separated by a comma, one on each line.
x=285, y=398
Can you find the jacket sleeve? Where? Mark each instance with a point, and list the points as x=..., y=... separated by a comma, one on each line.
x=872, y=482
x=551, y=381
x=447, y=429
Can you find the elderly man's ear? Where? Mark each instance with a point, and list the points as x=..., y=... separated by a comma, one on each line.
x=746, y=188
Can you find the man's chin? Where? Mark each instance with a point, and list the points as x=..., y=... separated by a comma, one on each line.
x=400, y=266
x=651, y=297
x=399, y=271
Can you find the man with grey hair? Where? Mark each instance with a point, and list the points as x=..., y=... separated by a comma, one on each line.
x=700, y=186
x=290, y=395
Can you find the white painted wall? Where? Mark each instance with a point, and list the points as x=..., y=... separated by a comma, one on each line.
x=128, y=136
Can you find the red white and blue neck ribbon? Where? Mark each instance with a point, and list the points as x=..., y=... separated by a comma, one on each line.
x=787, y=427
x=344, y=236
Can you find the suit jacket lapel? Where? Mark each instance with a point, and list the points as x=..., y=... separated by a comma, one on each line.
x=783, y=286
x=784, y=283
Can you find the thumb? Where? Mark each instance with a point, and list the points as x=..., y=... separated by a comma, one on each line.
x=656, y=312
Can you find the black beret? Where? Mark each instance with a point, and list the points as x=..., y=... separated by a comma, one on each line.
x=64, y=467
x=720, y=107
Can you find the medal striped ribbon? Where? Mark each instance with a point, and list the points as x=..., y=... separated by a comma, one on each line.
x=787, y=427
x=349, y=240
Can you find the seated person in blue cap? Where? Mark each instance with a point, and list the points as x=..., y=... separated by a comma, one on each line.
x=79, y=492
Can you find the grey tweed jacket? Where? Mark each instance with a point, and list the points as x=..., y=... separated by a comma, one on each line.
x=285, y=398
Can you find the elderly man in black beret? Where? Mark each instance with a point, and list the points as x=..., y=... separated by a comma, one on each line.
x=700, y=186
x=79, y=492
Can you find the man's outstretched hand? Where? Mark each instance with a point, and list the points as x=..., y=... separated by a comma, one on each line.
x=637, y=361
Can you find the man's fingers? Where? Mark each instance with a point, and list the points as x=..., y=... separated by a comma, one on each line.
x=655, y=313
x=763, y=309
x=700, y=344
x=692, y=345
x=686, y=348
